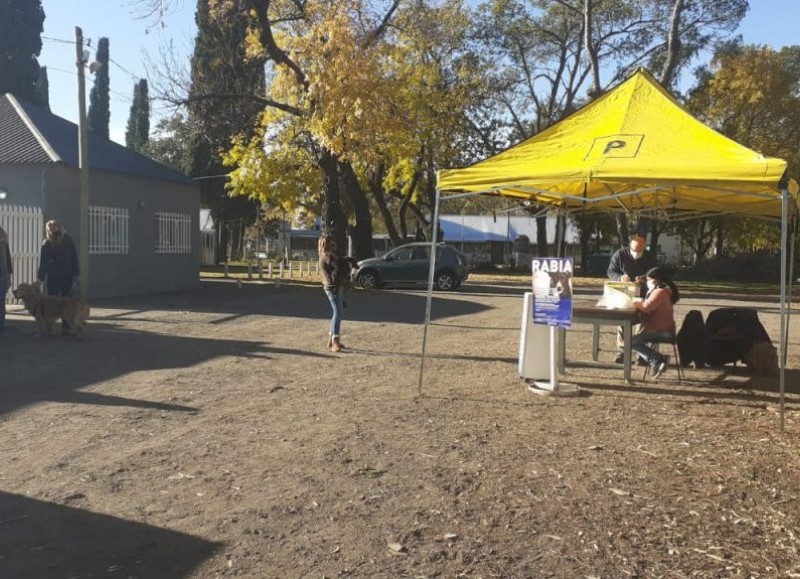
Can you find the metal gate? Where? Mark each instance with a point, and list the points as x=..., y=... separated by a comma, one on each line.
x=25, y=228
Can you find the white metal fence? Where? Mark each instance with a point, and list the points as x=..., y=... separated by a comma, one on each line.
x=25, y=228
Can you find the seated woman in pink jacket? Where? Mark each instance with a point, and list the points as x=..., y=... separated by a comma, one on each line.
x=658, y=318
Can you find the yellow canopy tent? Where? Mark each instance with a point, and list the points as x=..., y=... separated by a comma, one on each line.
x=634, y=149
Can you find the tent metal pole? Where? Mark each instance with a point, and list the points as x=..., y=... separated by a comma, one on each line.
x=434, y=236
x=784, y=231
x=792, y=236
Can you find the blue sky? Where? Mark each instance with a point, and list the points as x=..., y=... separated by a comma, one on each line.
x=132, y=39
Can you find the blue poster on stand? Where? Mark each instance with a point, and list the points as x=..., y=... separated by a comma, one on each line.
x=552, y=291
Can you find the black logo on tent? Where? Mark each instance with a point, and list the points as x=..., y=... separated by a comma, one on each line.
x=622, y=146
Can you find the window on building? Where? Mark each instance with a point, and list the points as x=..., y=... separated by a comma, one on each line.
x=108, y=230
x=173, y=232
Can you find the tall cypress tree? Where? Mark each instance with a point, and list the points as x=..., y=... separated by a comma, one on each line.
x=137, y=133
x=43, y=88
x=99, y=99
x=21, y=26
x=223, y=102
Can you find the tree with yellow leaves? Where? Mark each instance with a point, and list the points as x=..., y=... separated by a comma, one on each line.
x=752, y=95
x=325, y=103
x=352, y=104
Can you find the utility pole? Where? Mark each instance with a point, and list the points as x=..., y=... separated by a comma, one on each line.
x=83, y=165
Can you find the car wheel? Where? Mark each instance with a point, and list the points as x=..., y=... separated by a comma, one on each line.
x=445, y=281
x=368, y=280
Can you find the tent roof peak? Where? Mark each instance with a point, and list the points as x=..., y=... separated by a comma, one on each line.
x=635, y=137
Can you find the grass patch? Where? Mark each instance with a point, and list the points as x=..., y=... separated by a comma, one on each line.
x=509, y=278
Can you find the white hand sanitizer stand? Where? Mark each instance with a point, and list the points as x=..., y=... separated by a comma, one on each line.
x=538, y=345
x=554, y=387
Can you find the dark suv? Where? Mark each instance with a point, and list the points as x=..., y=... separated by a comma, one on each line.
x=409, y=264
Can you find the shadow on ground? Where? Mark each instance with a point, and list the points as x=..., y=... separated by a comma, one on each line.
x=707, y=385
x=56, y=369
x=75, y=543
x=303, y=300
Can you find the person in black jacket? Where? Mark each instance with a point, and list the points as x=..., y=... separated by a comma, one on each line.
x=630, y=264
x=6, y=269
x=58, y=263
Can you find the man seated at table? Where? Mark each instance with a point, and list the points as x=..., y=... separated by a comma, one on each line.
x=630, y=264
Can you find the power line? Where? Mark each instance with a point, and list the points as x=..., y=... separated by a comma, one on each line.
x=118, y=94
x=123, y=69
x=121, y=96
x=88, y=43
x=49, y=68
x=48, y=38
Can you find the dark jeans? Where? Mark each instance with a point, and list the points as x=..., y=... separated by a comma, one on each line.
x=635, y=329
x=650, y=355
x=59, y=285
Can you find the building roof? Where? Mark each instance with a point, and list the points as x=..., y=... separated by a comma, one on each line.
x=30, y=134
x=479, y=228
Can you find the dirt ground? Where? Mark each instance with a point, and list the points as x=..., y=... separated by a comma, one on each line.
x=211, y=434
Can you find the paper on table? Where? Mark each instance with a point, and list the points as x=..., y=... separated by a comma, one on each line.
x=615, y=298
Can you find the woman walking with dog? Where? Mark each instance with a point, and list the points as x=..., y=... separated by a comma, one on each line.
x=335, y=272
x=58, y=263
x=6, y=269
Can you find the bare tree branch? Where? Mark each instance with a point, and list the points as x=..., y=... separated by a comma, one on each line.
x=267, y=39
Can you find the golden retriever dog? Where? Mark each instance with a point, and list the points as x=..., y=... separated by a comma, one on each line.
x=46, y=310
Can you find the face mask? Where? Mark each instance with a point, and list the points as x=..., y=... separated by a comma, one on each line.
x=651, y=283
x=636, y=254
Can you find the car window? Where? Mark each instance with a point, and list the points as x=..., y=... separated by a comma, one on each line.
x=420, y=252
x=401, y=253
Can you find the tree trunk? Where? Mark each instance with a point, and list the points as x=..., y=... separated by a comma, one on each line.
x=720, y=239
x=561, y=236
x=655, y=233
x=541, y=236
x=673, y=45
x=376, y=188
x=222, y=241
x=335, y=220
x=235, y=232
x=588, y=43
x=622, y=229
x=362, y=231
x=402, y=212
x=586, y=235
x=405, y=202
x=703, y=239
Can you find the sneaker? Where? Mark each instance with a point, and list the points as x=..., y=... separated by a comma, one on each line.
x=620, y=359
x=658, y=369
